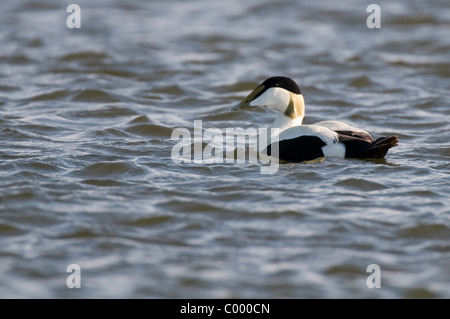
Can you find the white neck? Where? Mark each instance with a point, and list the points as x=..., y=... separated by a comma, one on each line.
x=283, y=122
x=292, y=113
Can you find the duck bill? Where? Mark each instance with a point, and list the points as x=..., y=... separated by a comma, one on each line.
x=241, y=106
x=245, y=103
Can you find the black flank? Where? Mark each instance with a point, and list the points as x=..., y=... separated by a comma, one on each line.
x=299, y=149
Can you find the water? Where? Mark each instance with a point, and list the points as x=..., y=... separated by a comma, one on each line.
x=87, y=178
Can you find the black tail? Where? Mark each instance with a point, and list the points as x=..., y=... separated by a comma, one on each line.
x=359, y=148
x=381, y=146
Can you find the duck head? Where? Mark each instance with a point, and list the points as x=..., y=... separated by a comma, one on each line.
x=281, y=94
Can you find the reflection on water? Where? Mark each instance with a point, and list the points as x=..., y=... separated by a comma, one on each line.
x=87, y=178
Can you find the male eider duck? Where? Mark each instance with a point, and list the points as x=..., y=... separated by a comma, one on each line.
x=297, y=142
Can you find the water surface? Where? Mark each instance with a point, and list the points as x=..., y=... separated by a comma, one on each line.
x=87, y=178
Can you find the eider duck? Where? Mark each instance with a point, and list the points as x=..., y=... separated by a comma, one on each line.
x=297, y=142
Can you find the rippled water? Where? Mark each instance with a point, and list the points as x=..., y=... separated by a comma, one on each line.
x=87, y=178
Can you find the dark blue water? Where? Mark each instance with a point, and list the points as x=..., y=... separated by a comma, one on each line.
x=87, y=177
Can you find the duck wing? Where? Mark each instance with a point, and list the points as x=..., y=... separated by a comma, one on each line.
x=345, y=129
